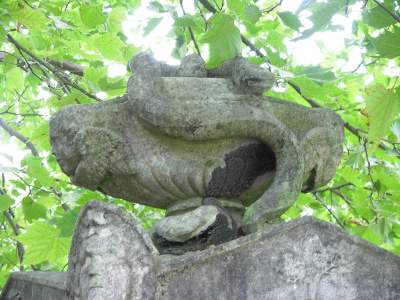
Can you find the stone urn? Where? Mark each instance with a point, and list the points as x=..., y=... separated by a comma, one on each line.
x=205, y=145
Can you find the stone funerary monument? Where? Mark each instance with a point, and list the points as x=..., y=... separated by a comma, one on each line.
x=225, y=162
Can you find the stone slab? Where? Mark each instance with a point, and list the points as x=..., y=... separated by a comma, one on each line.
x=302, y=259
x=35, y=286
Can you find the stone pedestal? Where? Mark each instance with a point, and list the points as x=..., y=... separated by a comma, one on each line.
x=302, y=259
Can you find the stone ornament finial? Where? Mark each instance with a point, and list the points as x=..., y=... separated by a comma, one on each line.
x=185, y=133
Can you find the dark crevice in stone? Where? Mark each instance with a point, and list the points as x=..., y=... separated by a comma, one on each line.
x=218, y=233
x=242, y=168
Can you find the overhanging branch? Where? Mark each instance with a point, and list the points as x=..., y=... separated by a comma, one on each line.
x=61, y=76
x=25, y=140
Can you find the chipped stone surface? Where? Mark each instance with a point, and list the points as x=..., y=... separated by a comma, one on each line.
x=302, y=259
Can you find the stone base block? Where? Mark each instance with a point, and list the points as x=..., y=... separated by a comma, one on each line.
x=302, y=259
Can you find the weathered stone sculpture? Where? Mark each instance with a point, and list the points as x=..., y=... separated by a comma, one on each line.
x=184, y=134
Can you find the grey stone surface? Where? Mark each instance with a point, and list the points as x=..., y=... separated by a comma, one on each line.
x=35, y=286
x=302, y=259
x=210, y=134
x=206, y=226
x=111, y=256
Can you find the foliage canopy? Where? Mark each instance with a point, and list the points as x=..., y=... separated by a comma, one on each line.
x=59, y=52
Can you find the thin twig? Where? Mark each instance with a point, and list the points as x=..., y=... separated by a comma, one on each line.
x=372, y=180
x=38, y=188
x=20, y=247
x=271, y=9
x=61, y=77
x=26, y=2
x=334, y=187
x=388, y=11
x=191, y=32
x=330, y=211
x=202, y=15
x=5, y=255
x=349, y=127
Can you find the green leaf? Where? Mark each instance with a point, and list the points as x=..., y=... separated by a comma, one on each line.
x=309, y=89
x=387, y=44
x=383, y=228
x=377, y=17
x=42, y=244
x=117, y=16
x=355, y=159
x=223, y=38
x=318, y=75
x=252, y=14
x=92, y=15
x=15, y=79
x=67, y=224
x=33, y=19
x=236, y=6
x=371, y=236
x=5, y=202
x=186, y=21
x=156, y=6
x=48, y=201
x=40, y=136
x=109, y=45
x=153, y=22
x=93, y=75
x=320, y=18
x=129, y=51
x=293, y=96
x=275, y=39
x=36, y=170
x=361, y=197
x=10, y=63
x=304, y=5
x=3, y=33
x=290, y=20
x=69, y=99
x=275, y=58
x=110, y=84
x=61, y=25
x=382, y=106
x=351, y=175
x=32, y=210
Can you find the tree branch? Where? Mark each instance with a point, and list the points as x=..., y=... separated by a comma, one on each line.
x=253, y=48
x=190, y=31
x=20, y=247
x=267, y=11
x=25, y=140
x=388, y=11
x=69, y=66
x=64, y=80
x=334, y=187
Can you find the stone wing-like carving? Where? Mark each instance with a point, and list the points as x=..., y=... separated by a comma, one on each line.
x=111, y=256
